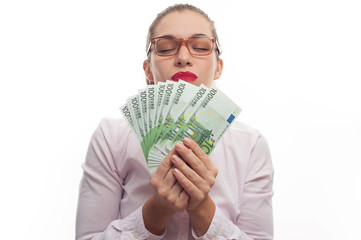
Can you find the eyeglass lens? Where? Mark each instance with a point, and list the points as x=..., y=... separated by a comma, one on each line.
x=197, y=46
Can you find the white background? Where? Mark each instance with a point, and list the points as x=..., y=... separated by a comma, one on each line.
x=293, y=66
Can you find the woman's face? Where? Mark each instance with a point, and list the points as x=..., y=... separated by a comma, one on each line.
x=183, y=25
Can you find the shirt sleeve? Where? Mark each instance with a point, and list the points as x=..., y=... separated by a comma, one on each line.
x=100, y=194
x=255, y=221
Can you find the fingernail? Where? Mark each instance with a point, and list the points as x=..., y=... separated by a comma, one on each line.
x=179, y=146
x=187, y=140
x=175, y=158
x=176, y=171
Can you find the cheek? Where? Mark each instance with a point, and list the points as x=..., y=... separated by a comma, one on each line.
x=211, y=68
x=161, y=68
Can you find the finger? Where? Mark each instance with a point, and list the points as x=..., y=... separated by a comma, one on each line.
x=165, y=165
x=183, y=199
x=189, y=157
x=169, y=179
x=177, y=188
x=186, y=170
x=198, y=151
x=162, y=170
x=163, y=187
x=173, y=194
x=163, y=184
x=183, y=196
x=188, y=186
x=181, y=202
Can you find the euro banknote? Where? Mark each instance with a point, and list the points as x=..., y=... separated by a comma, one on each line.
x=164, y=114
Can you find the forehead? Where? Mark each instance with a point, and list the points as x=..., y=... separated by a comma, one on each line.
x=183, y=24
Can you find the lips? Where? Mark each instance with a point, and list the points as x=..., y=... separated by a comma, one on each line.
x=185, y=76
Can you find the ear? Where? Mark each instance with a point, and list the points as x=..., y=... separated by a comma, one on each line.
x=148, y=73
x=218, y=72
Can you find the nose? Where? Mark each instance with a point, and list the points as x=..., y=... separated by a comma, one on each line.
x=183, y=57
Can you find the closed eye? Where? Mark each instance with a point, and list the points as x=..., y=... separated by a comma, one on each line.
x=166, y=50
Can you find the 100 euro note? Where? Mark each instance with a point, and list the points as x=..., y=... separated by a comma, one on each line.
x=167, y=102
x=128, y=116
x=125, y=110
x=163, y=112
x=158, y=100
x=152, y=98
x=140, y=113
x=138, y=122
x=207, y=124
x=162, y=145
x=183, y=94
x=142, y=98
x=212, y=120
x=156, y=112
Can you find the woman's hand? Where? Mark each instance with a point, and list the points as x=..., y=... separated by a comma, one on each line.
x=168, y=197
x=168, y=193
x=194, y=171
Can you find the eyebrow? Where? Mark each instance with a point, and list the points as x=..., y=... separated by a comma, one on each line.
x=200, y=35
x=194, y=35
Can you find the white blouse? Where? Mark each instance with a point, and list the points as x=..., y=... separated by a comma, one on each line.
x=116, y=184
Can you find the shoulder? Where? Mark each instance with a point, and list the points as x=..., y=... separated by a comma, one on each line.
x=114, y=125
x=114, y=132
x=114, y=128
x=242, y=143
x=240, y=127
x=239, y=143
x=117, y=136
x=244, y=134
x=252, y=142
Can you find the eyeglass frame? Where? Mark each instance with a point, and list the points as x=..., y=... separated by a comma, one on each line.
x=185, y=42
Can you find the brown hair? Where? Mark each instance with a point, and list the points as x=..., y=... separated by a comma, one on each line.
x=181, y=8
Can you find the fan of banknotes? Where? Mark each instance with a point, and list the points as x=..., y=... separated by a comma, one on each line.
x=162, y=115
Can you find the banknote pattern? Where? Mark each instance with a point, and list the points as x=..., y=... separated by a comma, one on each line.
x=164, y=114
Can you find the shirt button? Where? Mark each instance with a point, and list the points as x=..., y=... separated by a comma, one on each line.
x=182, y=237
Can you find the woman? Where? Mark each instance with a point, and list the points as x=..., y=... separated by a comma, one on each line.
x=191, y=196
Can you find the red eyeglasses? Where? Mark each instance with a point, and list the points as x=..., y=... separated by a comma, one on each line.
x=169, y=46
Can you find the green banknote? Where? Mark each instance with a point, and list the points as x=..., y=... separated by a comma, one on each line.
x=162, y=115
x=169, y=94
x=179, y=102
x=211, y=120
x=152, y=98
x=205, y=126
x=142, y=97
x=159, y=89
x=158, y=107
x=162, y=146
x=184, y=94
x=128, y=116
x=134, y=108
x=165, y=107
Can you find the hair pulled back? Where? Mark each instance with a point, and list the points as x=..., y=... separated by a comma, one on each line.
x=180, y=8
